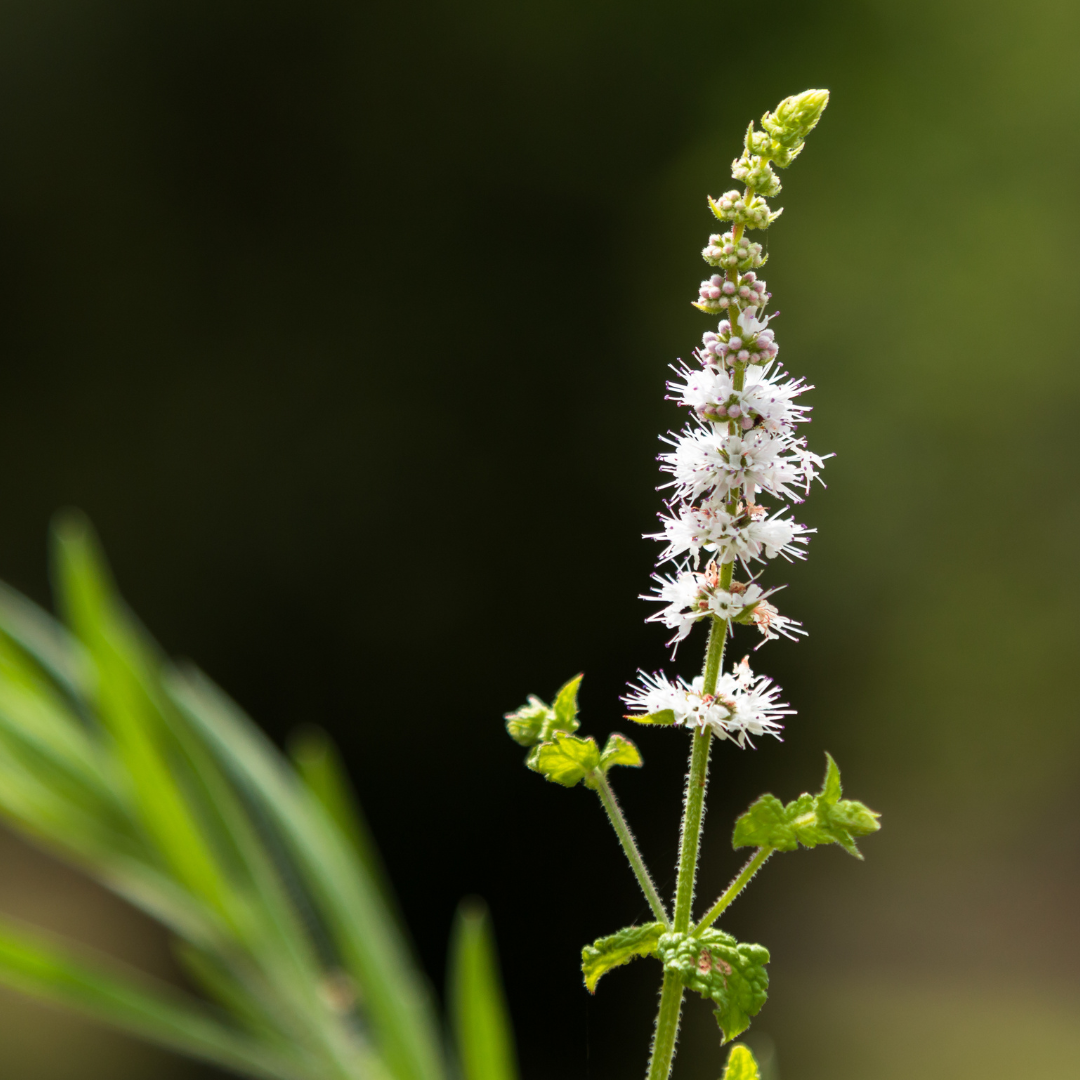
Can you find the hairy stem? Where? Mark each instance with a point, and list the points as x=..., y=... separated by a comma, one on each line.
x=618, y=821
x=667, y=1027
x=671, y=993
x=736, y=887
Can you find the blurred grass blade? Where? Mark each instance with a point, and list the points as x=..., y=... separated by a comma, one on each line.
x=33, y=964
x=481, y=1023
x=348, y=901
x=319, y=763
x=57, y=651
x=126, y=705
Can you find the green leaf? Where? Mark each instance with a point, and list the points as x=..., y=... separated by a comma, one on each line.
x=663, y=717
x=567, y=760
x=718, y=967
x=765, y=824
x=536, y=722
x=566, y=706
x=620, y=751
x=809, y=820
x=321, y=768
x=741, y=1065
x=526, y=725
x=617, y=949
x=478, y=1014
x=126, y=702
x=45, y=969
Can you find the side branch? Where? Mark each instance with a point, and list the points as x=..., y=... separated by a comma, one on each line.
x=618, y=821
x=736, y=887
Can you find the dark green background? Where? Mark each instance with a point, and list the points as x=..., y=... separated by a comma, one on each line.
x=348, y=325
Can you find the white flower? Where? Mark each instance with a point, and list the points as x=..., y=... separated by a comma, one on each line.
x=744, y=704
x=775, y=536
x=690, y=596
x=710, y=527
x=711, y=461
x=685, y=597
x=695, y=528
x=757, y=611
x=766, y=399
x=749, y=323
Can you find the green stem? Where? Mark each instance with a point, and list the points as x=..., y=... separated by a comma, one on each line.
x=671, y=993
x=736, y=887
x=667, y=1027
x=614, y=812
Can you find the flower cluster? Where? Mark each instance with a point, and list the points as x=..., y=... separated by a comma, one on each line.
x=743, y=704
x=691, y=596
x=715, y=295
x=740, y=445
x=733, y=252
x=751, y=210
x=750, y=341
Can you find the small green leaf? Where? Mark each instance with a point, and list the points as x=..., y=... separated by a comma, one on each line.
x=617, y=949
x=566, y=760
x=741, y=1065
x=620, y=751
x=765, y=824
x=482, y=1032
x=566, y=706
x=536, y=722
x=810, y=820
x=831, y=789
x=730, y=974
x=664, y=716
x=525, y=725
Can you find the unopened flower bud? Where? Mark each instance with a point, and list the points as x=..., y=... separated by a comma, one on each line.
x=795, y=117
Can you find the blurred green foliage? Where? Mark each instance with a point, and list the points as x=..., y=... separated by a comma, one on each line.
x=147, y=777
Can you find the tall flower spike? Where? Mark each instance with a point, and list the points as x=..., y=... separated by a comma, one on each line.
x=735, y=467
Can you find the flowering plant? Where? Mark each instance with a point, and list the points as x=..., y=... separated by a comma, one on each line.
x=740, y=446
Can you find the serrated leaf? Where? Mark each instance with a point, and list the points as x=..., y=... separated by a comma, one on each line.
x=831, y=789
x=730, y=974
x=617, y=949
x=741, y=1065
x=765, y=824
x=525, y=725
x=567, y=759
x=620, y=751
x=566, y=706
x=809, y=820
x=535, y=722
x=663, y=716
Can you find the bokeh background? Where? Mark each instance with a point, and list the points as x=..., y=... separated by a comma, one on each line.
x=348, y=323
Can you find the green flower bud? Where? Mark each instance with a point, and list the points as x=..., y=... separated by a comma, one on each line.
x=756, y=174
x=795, y=117
x=724, y=252
x=751, y=211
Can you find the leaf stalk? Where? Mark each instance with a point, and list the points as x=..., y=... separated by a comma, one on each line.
x=618, y=821
x=756, y=862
